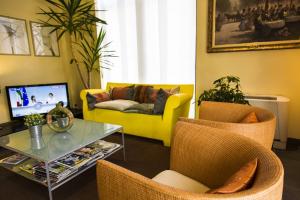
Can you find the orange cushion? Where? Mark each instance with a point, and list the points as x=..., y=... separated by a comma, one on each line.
x=250, y=118
x=239, y=180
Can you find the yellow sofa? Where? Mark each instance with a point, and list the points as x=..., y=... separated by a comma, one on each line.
x=150, y=126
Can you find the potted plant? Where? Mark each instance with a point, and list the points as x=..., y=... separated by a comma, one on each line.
x=34, y=122
x=226, y=89
x=77, y=20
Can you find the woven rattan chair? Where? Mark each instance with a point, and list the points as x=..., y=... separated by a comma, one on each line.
x=207, y=155
x=228, y=115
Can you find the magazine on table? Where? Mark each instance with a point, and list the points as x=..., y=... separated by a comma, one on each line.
x=106, y=147
x=57, y=171
x=14, y=159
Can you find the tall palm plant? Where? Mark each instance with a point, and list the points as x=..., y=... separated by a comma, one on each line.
x=75, y=18
x=93, y=51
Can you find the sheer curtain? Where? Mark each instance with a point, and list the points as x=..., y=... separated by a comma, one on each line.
x=153, y=39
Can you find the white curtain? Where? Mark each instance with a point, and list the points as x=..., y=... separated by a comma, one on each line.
x=154, y=40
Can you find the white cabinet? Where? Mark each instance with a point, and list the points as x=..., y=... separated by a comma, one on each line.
x=279, y=106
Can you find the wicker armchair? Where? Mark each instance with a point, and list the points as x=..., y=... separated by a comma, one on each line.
x=207, y=155
x=228, y=115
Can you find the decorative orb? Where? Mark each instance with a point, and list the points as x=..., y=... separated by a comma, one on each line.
x=60, y=127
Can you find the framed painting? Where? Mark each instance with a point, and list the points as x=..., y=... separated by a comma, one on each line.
x=13, y=36
x=241, y=25
x=45, y=41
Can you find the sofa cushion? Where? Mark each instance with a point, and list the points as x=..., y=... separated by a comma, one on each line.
x=93, y=99
x=179, y=181
x=151, y=93
x=239, y=180
x=140, y=93
x=161, y=100
x=126, y=93
x=250, y=118
x=119, y=104
x=143, y=108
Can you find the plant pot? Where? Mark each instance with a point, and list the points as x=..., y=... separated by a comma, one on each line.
x=37, y=143
x=36, y=131
x=63, y=122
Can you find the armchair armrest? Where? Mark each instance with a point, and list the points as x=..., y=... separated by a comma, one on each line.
x=116, y=183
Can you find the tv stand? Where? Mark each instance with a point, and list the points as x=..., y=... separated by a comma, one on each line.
x=11, y=127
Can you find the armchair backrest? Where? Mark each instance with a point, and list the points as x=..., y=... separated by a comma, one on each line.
x=211, y=156
x=231, y=112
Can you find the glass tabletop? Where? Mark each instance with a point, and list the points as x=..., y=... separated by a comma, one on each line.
x=52, y=145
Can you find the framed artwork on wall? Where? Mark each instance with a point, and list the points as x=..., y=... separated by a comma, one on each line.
x=45, y=41
x=13, y=36
x=241, y=25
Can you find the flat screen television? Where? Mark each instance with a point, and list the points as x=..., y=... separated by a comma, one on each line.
x=28, y=99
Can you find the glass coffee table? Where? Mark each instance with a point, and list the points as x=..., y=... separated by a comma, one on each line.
x=57, y=151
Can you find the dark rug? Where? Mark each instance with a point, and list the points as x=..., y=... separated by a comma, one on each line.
x=144, y=156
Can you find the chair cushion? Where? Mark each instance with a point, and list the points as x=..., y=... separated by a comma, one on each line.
x=250, y=118
x=119, y=105
x=239, y=180
x=179, y=181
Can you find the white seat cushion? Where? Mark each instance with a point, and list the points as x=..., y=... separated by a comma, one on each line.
x=179, y=181
x=119, y=104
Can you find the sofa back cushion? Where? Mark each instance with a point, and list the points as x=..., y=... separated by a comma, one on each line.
x=126, y=93
x=141, y=93
x=93, y=99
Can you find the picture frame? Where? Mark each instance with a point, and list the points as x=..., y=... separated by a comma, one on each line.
x=13, y=36
x=252, y=25
x=45, y=43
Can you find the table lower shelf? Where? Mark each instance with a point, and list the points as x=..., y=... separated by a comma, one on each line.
x=16, y=169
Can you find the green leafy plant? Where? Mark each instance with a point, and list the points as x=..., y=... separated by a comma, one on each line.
x=77, y=19
x=34, y=120
x=93, y=51
x=226, y=89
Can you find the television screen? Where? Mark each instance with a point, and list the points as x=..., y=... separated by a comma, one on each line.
x=25, y=100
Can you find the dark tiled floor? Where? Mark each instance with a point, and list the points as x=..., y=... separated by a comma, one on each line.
x=291, y=162
x=147, y=157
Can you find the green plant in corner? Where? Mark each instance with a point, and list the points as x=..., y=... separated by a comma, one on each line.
x=77, y=19
x=226, y=89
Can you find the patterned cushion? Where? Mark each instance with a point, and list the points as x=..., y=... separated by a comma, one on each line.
x=239, y=180
x=125, y=93
x=160, y=102
x=151, y=94
x=250, y=118
x=92, y=99
x=140, y=93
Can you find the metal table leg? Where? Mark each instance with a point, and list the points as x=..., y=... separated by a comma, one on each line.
x=123, y=143
x=48, y=181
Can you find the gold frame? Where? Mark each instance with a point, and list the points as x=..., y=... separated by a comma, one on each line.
x=212, y=48
x=27, y=34
x=33, y=43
